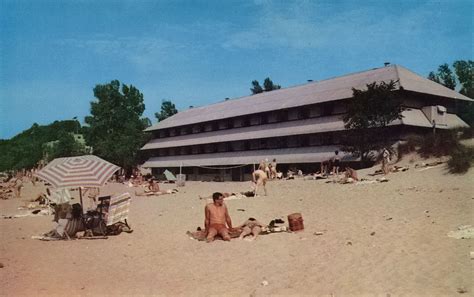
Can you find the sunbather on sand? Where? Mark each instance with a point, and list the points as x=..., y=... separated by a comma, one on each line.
x=351, y=173
x=153, y=189
x=251, y=226
x=217, y=219
x=259, y=177
x=350, y=176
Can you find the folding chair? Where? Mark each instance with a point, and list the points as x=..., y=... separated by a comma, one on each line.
x=117, y=210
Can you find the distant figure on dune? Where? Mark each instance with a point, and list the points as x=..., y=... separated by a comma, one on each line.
x=217, y=219
x=17, y=185
x=259, y=177
x=385, y=161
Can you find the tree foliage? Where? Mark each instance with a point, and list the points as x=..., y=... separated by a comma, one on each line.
x=464, y=72
x=65, y=146
x=167, y=109
x=115, y=125
x=25, y=150
x=268, y=86
x=256, y=88
x=368, y=112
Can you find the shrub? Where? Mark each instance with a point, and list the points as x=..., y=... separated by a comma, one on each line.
x=441, y=144
x=409, y=145
x=461, y=160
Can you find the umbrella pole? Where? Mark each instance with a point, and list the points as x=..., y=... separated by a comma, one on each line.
x=80, y=195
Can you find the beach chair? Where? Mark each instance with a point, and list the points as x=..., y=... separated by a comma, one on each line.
x=118, y=209
x=169, y=176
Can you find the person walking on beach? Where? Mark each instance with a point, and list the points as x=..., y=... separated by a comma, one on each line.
x=217, y=219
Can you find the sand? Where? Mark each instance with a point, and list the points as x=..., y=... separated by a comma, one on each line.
x=380, y=239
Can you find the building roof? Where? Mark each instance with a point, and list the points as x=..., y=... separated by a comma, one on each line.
x=411, y=117
x=315, y=92
x=282, y=156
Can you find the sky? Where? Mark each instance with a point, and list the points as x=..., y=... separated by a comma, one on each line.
x=195, y=53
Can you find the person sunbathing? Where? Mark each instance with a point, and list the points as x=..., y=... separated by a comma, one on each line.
x=251, y=226
x=153, y=189
x=217, y=219
x=350, y=176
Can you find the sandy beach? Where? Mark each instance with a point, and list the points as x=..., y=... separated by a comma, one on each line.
x=374, y=239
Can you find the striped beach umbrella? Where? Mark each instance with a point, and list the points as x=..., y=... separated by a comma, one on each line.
x=77, y=172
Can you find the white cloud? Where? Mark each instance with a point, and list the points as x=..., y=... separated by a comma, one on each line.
x=309, y=25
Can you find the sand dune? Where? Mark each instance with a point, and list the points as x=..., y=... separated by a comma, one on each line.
x=378, y=239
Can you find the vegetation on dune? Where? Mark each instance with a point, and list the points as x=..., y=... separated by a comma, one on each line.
x=443, y=143
x=26, y=149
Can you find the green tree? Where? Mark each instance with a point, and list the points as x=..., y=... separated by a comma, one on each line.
x=66, y=146
x=446, y=76
x=256, y=88
x=268, y=85
x=432, y=76
x=115, y=125
x=464, y=71
x=167, y=109
x=368, y=112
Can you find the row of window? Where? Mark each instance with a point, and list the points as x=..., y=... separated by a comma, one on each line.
x=297, y=113
x=294, y=141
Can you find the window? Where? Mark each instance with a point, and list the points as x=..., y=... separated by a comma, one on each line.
x=255, y=120
x=197, y=128
x=293, y=114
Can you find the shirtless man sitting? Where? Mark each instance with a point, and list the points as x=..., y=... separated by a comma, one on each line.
x=259, y=177
x=217, y=219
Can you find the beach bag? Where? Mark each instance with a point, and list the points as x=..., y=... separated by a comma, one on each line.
x=93, y=221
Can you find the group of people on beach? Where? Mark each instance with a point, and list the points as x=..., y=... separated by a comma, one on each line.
x=217, y=221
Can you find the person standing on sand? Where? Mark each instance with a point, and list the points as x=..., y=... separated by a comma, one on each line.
x=17, y=185
x=259, y=177
x=217, y=219
x=273, y=173
x=385, y=161
x=336, y=161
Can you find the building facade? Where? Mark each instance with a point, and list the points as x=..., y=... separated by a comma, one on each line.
x=298, y=126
